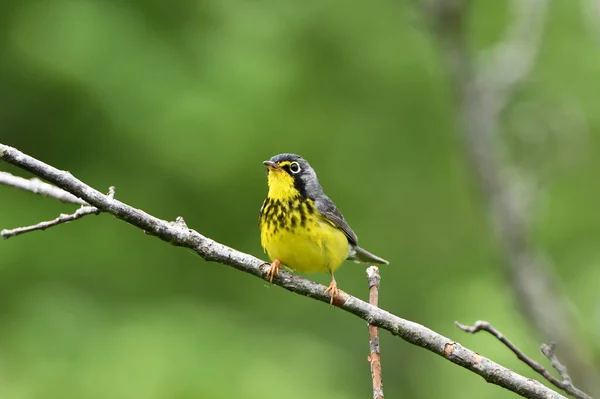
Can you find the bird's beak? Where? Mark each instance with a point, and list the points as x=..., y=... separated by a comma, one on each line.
x=272, y=165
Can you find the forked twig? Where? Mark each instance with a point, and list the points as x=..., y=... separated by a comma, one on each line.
x=374, y=357
x=548, y=350
x=63, y=218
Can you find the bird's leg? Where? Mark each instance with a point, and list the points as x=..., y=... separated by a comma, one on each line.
x=273, y=270
x=332, y=287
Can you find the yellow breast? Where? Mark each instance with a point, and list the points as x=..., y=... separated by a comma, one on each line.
x=294, y=232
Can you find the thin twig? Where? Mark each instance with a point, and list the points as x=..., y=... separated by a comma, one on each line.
x=63, y=218
x=375, y=356
x=548, y=350
x=180, y=235
x=37, y=186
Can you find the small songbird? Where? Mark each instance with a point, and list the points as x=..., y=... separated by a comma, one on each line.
x=300, y=227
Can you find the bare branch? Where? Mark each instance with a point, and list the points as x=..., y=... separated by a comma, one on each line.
x=37, y=186
x=566, y=384
x=177, y=233
x=510, y=63
x=63, y=218
x=375, y=356
x=483, y=90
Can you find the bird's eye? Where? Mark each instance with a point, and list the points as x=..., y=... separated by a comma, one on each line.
x=295, y=167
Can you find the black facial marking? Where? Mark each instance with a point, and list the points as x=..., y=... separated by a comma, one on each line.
x=299, y=184
x=298, y=181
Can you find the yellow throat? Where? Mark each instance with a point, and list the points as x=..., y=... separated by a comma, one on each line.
x=281, y=185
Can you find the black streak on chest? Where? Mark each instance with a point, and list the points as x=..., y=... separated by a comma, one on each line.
x=287, y=215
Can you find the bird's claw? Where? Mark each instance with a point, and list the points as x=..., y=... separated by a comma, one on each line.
x=272, y=270
x=334, y=291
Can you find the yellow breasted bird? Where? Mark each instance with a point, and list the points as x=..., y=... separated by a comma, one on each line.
x=300, y=227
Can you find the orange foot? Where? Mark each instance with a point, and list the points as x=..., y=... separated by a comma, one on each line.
x=333, y=288
x=273, y=270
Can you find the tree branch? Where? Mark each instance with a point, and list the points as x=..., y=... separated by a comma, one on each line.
x=37, y=186
x=548, y=350
x=177, y=233
x=375, y=356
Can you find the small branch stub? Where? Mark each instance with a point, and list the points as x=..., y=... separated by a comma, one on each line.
x=375, y=356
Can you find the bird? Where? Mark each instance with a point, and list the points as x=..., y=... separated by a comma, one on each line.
x=300, y=226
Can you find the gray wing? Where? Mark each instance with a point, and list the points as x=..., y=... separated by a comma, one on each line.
x=335, y=217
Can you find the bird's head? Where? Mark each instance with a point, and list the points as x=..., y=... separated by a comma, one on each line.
x=290, y=175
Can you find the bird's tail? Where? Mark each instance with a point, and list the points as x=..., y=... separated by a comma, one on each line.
x=361, y=255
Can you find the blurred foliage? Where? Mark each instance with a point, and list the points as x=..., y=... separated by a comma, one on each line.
x=178, y=103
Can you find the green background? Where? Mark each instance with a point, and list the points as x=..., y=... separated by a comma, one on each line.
x=178, y=103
